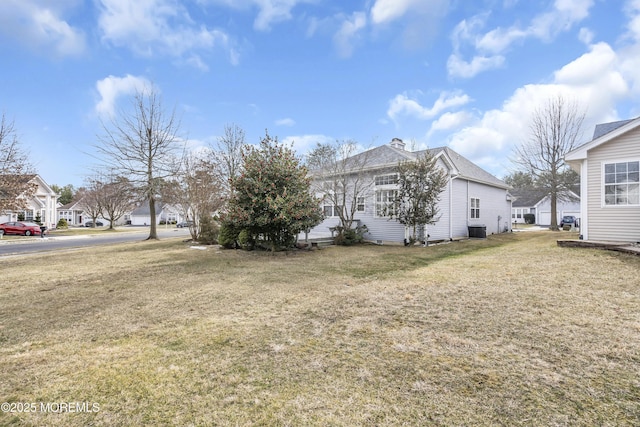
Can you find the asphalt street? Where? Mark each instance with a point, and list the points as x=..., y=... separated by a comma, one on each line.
x=29, y=245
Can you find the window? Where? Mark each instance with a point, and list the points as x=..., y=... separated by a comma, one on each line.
x=360, y=204
x=622, y=183
x=328, y=210
x=386, y=179
x=331, y=210
x=475, y=208
x=384, y=202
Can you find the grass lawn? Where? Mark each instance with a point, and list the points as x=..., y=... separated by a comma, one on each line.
x=511, y=330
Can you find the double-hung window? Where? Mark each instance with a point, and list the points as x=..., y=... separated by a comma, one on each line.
x=385, y=202
x=386, y=193
x=475, y=208
x=622, y=183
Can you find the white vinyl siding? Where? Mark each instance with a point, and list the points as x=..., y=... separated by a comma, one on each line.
x=611, y=222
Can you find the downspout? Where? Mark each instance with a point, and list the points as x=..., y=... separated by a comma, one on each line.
x=450, y=207
x=584, y=201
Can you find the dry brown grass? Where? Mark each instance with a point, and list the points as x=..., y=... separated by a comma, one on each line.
x=508, y=331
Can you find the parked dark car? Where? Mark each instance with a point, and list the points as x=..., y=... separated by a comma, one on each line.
x=90, y=224
x=184, y=224
x=20, y=227
x=569, y=220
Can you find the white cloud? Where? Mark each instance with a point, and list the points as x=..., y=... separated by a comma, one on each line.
x=490, y=46
x=286, y=122
x=304, y=143
x=347, y=35
x=270, y=12
x=389, y=10
x=403, y=105
x=565, y=13
x=150, y=27
x=111, y=88
x=598, y=80
x=632, y=9
x=39, y=24
x=586, y=36
x=450, y=121
x=458, y=67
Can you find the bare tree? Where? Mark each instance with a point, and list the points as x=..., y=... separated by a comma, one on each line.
x=143, y=145
x=228, y=154
x=89, y=199
x=555, y=130
x=15, y=184
x=116, y=198
x=197, y=190
x=340, y=177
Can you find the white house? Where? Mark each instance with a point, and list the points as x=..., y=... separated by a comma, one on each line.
x=609, y=168
x=164, y=213
x=73, y=213
x=538, y=203
x=472, y=197
x=42, y=204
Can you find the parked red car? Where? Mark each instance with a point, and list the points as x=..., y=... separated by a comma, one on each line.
x=25, y=228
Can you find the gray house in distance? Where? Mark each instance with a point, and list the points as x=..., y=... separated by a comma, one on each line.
x=472, y=197
x=538, y=203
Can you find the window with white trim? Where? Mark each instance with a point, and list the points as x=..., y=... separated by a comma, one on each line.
x=475, y=208
x=390, y=179
x=360, y=204
x=384, y=202
x=622, y=183
x=328, y=211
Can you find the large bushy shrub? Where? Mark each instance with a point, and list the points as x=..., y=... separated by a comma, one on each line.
x=62, y=223
x=271, y=201
x=529, y=218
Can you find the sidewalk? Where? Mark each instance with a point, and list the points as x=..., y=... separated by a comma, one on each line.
x=15, y=239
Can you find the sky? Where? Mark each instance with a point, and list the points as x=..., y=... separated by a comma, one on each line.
x=467, y=74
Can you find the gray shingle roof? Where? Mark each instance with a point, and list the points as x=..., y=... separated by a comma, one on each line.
x=525, y=198
x=605, y=128
x=386, y=155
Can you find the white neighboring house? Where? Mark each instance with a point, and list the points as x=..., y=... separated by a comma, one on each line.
x=43, y=204
x=75, y=215
x=164, y=213
x=72, y=213
x=538, y=203
x=472, y=198
x=609, y=168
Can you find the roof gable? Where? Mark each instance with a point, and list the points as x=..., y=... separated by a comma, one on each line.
x=603, y=133
x=388, y=156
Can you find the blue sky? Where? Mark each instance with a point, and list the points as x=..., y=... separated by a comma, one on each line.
x=461, y=73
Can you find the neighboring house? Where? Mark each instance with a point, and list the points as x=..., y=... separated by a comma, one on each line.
x=609, y=168
x=42, y=204
x=472, y=197
x=73, y=213
x=164, y=213
x=538, y=203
